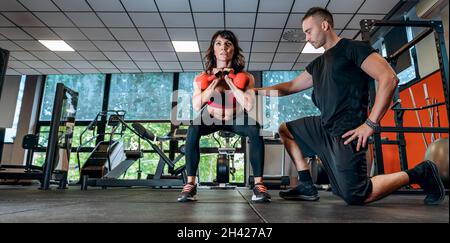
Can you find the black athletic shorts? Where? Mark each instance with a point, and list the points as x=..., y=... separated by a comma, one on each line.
x=345, y=167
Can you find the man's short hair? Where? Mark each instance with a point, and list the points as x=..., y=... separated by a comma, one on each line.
x=320, y=12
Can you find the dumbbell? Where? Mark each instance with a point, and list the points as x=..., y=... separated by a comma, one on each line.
x=205, y=79
x=240, y=80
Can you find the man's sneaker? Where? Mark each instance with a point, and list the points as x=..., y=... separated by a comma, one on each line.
x=430, y=182
x=301, y=192
x=188, y=193
x=260, y=194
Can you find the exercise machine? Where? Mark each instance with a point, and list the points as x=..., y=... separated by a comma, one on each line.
x=225, y=161
x=372, y=29
x=109, y=161
x=279, y=179
x=106, y=154
x=56, y=165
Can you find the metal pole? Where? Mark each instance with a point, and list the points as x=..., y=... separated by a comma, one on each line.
x=443, y=61
x=101, y=128
x=52, y=147
x=2, y=142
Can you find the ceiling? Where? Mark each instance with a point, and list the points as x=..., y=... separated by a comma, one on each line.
x=113, y=36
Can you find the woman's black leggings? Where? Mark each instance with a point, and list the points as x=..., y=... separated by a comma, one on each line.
x=248, y=129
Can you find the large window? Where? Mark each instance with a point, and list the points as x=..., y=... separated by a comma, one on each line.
x=90, y=94
x=10, y=133
x=185, y=89
x=409, y=73
x=277, y=110
x=144, y=96
x=406, y=65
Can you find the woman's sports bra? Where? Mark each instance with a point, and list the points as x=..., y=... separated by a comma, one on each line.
x=229, y=103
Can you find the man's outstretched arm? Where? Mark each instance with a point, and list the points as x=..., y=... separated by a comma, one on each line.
x=301, y=82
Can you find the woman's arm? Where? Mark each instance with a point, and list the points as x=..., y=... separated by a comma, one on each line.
x=200, y=98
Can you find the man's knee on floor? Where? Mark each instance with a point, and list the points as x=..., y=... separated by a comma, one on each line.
x=353, y=197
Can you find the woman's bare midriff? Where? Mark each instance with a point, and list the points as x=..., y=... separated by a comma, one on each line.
x=224, y=114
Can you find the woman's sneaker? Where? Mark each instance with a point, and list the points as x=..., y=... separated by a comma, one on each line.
x=260, y=194
x=188, y=193
x=301, y=193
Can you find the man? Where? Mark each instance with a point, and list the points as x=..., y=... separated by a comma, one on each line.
x=339, y=135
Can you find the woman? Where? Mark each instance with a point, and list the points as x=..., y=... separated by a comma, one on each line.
x=224, y=106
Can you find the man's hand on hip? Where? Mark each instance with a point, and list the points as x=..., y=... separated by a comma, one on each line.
x=362, y=133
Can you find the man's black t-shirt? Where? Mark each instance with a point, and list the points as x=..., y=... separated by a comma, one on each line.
x=340, y=86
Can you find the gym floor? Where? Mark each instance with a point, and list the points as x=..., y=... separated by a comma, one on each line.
x=27, y=204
